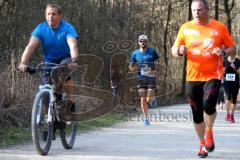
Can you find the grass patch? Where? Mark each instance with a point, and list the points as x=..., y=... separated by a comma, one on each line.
x=106, y=121
x=13, y=135
x=10, y=135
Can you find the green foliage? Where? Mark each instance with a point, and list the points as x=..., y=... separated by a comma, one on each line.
x=10, y=135
x=106, y=121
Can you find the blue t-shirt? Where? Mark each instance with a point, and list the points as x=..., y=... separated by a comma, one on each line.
x=54, y=41
x=145, y=62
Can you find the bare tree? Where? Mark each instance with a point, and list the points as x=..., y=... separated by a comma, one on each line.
x=216, y=9
x=228, y=7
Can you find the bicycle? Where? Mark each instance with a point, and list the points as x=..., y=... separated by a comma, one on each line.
x=46, y=123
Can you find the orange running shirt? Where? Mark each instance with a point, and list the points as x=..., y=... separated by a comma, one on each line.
x=200, y=40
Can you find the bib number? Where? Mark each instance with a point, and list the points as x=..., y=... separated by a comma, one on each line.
x=230, y=77
x=145, y=71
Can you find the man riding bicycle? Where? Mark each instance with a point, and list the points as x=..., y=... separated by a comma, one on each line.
x=58, y=40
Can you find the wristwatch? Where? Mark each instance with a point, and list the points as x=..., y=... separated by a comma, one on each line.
x=178, y=53
x=223, y=53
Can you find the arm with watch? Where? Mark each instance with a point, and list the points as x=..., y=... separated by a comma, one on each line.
x=230, y=51
x=179, y=51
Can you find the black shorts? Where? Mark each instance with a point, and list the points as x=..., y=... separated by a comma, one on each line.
x=203, y=98
x=231, y=91
x=46, y=76
x=146, y=84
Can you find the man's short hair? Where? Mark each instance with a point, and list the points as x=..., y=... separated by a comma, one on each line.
x=204, y=1
x=54, y=5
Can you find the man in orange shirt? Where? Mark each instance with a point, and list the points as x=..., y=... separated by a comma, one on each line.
x=204, y=41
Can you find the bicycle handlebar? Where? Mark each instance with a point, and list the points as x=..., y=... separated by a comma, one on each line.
x=33, y=70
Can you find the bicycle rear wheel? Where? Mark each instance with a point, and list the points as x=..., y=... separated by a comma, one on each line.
x=68, y=132
x=42, y=131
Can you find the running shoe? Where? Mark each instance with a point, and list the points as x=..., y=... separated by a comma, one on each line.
x=45, y=132
x=202, y=152
x=232, y=119
x=227, y=117
x=153, y=103
x=44, y=135
x=209, y=142
x=54, y=135
x=146, y=122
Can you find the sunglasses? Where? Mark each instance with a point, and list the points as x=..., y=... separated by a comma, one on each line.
x=143, y=41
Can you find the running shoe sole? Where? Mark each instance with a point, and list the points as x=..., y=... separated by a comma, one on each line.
x=210, y=148
x=204, y=155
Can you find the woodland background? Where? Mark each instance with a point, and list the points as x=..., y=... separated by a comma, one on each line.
x=116, y=23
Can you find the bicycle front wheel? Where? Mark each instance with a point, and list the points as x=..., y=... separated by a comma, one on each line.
x=42, y=130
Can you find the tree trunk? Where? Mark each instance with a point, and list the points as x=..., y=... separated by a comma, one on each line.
x=183, y=88
x=227, y=9
x=165, y=47
x=216, y=9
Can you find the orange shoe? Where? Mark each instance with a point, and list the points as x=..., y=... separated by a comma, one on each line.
x=202, y=152
x=209, y=141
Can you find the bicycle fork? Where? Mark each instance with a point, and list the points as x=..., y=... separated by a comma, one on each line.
x=50, y=113
x=50, y=108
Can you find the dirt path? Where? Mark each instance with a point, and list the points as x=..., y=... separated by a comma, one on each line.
x=170, y=136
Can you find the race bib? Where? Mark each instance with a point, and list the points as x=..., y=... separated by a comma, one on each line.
x=230, y=77
x=145, y=71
